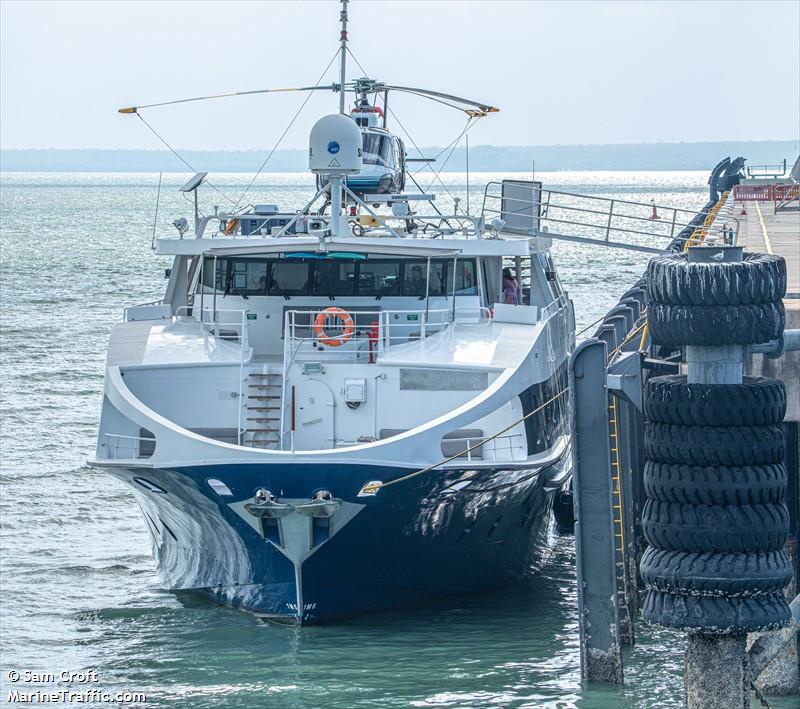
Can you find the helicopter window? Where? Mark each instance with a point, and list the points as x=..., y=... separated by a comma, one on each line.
x=379, y=278
x=377, y=149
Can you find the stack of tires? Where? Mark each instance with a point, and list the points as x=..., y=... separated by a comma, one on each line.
x=714, y=517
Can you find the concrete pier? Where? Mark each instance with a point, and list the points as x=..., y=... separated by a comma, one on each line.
x=764, y=228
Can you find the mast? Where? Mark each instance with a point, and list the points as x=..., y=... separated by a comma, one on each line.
x=343, y=58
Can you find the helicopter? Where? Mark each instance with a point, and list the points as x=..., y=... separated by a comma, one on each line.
x=384, y=169
x=385, y=159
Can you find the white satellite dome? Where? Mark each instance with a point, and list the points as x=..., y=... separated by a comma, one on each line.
x=335, y=146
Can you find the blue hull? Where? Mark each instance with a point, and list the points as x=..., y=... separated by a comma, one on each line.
x=414, y=541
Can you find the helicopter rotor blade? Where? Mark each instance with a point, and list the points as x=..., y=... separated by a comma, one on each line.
x=483, y=108
x=135, y=109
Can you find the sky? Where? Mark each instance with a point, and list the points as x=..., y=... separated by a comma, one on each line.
x=561, y=72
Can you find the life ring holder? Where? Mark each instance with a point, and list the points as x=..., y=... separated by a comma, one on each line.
x=339, y=316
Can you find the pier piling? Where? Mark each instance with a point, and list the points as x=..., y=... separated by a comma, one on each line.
x=598, y=617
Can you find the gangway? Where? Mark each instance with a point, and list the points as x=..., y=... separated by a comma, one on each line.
x=525, y=208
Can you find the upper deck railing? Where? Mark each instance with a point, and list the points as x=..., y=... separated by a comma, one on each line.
x=414, y=224
x=363, y=335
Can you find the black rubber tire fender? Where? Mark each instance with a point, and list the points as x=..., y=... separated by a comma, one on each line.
x=715, y=325
x=715, y=485
x=714, y=445
x=757, y=401
x=759, y=278
x=716, y=615
x=704, y=574
x=730, y=529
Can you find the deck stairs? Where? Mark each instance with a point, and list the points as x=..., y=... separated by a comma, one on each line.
x=261, y=408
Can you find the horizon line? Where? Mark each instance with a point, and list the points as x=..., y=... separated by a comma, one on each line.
x=795, y=140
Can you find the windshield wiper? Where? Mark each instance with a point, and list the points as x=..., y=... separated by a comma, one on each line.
x=280, y=291
x=230, y=289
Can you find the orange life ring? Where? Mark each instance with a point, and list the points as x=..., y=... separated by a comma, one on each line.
x=341, y=319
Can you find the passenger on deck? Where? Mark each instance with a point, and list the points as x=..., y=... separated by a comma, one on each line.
x=510, y=288
x=416, y=284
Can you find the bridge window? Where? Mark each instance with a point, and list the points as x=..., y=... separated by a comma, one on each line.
x=246, y=277
x=465, y=277
x=379, y=277
x=333, y=278
x=288, y=278
x=415, y=274
x=236, y=276
x=210, y=280
x=339, y=277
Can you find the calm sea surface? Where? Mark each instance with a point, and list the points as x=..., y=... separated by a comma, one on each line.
x=79, y=589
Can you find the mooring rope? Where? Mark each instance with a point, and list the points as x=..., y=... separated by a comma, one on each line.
x=373, y=488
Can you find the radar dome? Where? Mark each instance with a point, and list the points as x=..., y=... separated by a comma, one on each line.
x=335, y=146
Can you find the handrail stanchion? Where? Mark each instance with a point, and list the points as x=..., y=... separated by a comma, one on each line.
x=241, y=377
x=610, y=217
x=287, y=347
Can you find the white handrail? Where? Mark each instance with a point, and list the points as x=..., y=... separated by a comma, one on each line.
x=134, y=449
x=244, y=343
x=386, y=320
x=592, y=212
x=477, y=439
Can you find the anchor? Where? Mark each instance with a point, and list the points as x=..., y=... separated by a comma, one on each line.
x=265, y=504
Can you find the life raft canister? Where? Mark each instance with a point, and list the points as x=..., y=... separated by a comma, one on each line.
x=341, y=320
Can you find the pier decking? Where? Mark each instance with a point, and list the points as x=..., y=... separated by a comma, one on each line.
x=778, y=232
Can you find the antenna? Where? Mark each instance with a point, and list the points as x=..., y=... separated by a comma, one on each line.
x=343, y=50
x=191, y=186
x=467, y=175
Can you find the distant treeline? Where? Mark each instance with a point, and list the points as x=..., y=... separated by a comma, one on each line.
x=483, y=158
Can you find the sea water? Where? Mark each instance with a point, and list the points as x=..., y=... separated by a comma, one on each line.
x=78, y=587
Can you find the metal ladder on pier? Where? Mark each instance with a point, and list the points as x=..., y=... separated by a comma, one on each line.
x=262, y=409
x=623, y=591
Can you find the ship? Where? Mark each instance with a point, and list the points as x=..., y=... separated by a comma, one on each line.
x=359, y=405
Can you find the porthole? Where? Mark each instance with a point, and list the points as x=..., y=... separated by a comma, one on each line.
x=219, y=487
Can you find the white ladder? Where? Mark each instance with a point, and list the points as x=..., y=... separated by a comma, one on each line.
x=262, y=409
